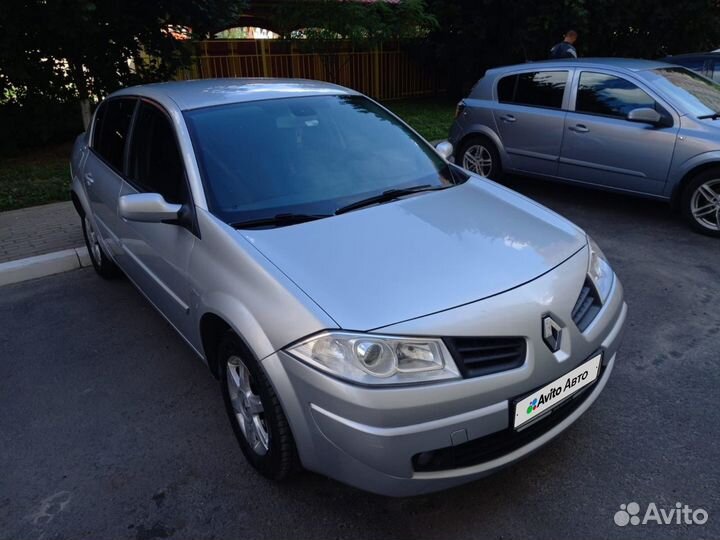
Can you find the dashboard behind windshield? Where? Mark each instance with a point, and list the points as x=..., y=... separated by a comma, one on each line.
x=305, y=155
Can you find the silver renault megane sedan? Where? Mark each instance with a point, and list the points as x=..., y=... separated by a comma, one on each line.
x=373, y=312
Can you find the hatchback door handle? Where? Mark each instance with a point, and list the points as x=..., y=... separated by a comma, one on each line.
x=508, y=118
x=89, y=180
x=579, y=128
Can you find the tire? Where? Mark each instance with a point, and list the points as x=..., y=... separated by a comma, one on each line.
x=266, y=439
x=480, y=148
x=700, y=203
x=103, y=265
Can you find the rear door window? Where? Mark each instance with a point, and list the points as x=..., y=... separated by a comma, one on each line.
x=537, y=89
x=112, y=123
x=607, y=95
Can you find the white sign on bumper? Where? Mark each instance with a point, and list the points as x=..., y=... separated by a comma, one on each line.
x=552, y=394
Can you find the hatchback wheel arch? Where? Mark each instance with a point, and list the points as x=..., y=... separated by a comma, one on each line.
x=700, y=201
x=480, y=155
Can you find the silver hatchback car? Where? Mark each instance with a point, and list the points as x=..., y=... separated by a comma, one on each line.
x=373, y=312
x=635, y=126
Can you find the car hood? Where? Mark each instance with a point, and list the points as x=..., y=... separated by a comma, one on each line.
x=420, y=255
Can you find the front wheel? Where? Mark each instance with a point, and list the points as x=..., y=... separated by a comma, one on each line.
x=480, y=156
x=701, y=202
x=255, y=411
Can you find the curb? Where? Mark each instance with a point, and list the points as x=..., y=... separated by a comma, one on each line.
x=43, y=265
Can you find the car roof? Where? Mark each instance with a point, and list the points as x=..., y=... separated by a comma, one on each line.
x=194, y=94
x=630, y=64
x=709, y=54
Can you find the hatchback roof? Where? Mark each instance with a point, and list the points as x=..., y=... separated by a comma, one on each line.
x=632, y=64
x=208, y=92
x=709, y=54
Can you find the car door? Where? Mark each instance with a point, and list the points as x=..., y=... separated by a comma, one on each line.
x=157, y=254
x=103, y=168
x=529, y=117
x=600, y=146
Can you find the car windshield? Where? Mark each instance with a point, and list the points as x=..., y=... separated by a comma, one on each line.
x=305, y=155
x=694, y=93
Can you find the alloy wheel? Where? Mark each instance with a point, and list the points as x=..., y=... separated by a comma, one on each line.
x=478, y=159
x=705, y=204
x=247, y=406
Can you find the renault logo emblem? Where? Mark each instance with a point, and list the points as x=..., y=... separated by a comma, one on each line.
x=552, y=333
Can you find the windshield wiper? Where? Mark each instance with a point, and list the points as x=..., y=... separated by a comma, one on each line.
x=389, y=195
x=278, y=220
x=713, y=116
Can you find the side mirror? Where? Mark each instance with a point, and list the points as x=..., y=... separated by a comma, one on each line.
x=148, y=208
x=445, y=149
x=645, y=115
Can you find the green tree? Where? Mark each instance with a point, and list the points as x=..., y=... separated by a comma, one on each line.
x=366, y=22
x=83, y=49
x=473, y=35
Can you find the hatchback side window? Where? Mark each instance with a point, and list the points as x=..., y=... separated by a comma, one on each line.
x=538, y=89
x=599, y=93
x=155, y=163
x=112, y=122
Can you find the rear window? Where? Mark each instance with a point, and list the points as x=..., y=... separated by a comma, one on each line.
x=537, y=89
x=695, y=63
x=112, y=122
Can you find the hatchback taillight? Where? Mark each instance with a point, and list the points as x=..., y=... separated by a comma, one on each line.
x=459, y=108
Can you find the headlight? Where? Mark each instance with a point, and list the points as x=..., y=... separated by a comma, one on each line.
x=599, y=271
x=376, y=359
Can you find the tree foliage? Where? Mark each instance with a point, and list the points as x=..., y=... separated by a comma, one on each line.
x=366, y=22
x=473, y=35
x=82, y=48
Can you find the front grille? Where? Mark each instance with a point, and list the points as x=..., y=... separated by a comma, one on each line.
x=499, y=443
x=587, y=306
x=477, y=356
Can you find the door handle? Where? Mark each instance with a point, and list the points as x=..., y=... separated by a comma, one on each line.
x=508, y=118
x=89, y=180
x=579, y=128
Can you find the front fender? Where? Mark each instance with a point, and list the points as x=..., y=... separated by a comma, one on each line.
x=240, y=320
x=233, y=280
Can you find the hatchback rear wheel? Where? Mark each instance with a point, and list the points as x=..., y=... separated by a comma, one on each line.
x=701, y=202
x=480, y=156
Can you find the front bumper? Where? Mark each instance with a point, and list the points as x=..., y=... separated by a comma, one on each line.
x=367, y=437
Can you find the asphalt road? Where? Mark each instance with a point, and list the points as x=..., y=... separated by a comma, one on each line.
x=110, y=427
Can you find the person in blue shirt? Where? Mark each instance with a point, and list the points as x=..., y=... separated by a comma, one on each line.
x=566, y=48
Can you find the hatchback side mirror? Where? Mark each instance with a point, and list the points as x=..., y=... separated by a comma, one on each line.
x=645, y=115
x=148, y=208
x=445, y=149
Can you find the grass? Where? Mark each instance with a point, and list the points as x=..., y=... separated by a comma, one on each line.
x=431, y=117
x=42, y=176
x=39, y=176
